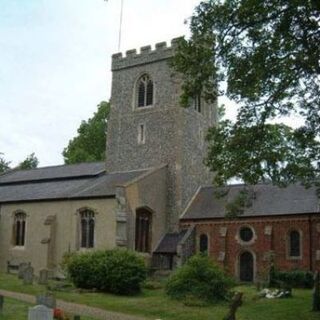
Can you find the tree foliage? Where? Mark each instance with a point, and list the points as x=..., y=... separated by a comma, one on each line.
x=31, y=162
x=90, y=143
x=4, y=165
x=267, y=53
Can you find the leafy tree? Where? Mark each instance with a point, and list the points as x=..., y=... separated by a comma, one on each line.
x=4, y=165
x=267, y=53
x=90, y=143
x=31, y=162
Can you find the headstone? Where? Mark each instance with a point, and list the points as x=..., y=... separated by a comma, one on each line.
x=236, y=302
x=316, y=292
x=1, y=303
x=43, y=276
x=40, y=313
x=47, y=300
x=28, y=275
x=22, y=267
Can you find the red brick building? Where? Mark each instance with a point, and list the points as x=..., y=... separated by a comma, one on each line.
x=281, y=226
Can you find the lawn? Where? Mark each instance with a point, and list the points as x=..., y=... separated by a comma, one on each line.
x=154, y=304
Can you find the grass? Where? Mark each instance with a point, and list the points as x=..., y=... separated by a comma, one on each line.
x=154, y=304
x=18, y=310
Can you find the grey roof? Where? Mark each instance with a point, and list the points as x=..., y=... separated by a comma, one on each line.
x=54, y=172
x=65, y=182
x=267, y=200
x=169, y=242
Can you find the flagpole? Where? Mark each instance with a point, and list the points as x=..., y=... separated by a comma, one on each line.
x=120, y=27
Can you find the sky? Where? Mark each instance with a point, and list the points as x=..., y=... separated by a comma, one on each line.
x=55, y=58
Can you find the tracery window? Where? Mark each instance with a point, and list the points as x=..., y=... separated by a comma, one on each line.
x=294, y=244
x=145, y=91
x=87, y=224
x=143, y=230
x=203, y=243
x=19, y=232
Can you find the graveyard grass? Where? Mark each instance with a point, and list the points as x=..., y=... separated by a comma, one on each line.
x=154, y=304
x=18, y=310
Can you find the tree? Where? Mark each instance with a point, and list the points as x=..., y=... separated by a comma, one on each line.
x=31, y=162
x=90, y=143
x=267, y=53
x=4, y=165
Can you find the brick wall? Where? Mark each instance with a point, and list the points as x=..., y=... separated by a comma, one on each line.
x=270, y=242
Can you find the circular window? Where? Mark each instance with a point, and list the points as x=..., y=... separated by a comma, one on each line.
x=246, y=234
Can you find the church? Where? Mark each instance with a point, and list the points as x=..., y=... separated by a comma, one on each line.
x=153, y=194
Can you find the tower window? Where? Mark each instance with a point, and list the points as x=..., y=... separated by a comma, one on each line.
x=19, y=232
x=145, y=91
x=87, y=225
x=197, y=103
x=141, y=134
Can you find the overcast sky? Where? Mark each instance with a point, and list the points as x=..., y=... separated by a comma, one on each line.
x=55, y=64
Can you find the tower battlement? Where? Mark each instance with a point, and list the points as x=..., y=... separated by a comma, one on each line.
x=146, y=55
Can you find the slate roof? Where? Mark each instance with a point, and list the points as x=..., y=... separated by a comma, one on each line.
x=267, y=200
x=86, y=180
x=168, y=244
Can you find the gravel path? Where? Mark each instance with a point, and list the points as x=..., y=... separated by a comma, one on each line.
x=74, y=308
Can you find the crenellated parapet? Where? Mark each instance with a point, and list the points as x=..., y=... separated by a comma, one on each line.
x=146, y=55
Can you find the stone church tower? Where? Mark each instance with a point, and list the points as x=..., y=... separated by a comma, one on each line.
x=148, y=128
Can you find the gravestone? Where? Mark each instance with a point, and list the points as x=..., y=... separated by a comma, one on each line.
x=40, y=313
x=1, y=303
x=43, y=276
x=316, y=292
x=28, y=275
x=22, y=267
x=47, y=300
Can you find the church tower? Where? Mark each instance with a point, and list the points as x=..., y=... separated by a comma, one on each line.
x=148, y=128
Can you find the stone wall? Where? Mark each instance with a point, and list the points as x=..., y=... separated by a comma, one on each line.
x=52, y=229
x=173, y=133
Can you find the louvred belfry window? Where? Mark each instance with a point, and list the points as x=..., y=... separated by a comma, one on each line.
x=87, y=229
x=145, y=91
x=19, y=232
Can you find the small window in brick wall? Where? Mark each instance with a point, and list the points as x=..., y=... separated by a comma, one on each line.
x=294, y=244
x=203, y=244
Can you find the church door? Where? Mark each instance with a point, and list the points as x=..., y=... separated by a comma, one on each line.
x=246, y=266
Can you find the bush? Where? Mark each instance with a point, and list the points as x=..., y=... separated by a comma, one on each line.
x=114, y=271
x=293, y=279
x=201, y=279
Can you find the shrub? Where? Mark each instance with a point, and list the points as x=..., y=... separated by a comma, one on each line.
x=293, y=279
x=114, y=271
x=199, y=278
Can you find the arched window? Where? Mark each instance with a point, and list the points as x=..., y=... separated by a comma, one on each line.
x=87, y=229
x=294, y=244
x=19, y=229
x=145, y=91
x=143, y=230
x=203, y=243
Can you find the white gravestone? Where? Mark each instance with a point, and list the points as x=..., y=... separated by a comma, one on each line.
x=40, y=313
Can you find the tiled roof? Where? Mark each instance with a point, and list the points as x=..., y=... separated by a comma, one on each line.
x=86, y=180
x=169, y=242
x=267, y=200
x=55, y=172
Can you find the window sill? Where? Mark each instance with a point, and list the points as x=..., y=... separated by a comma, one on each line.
x=144, y=108
x=294, y=258
x=18, y=248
